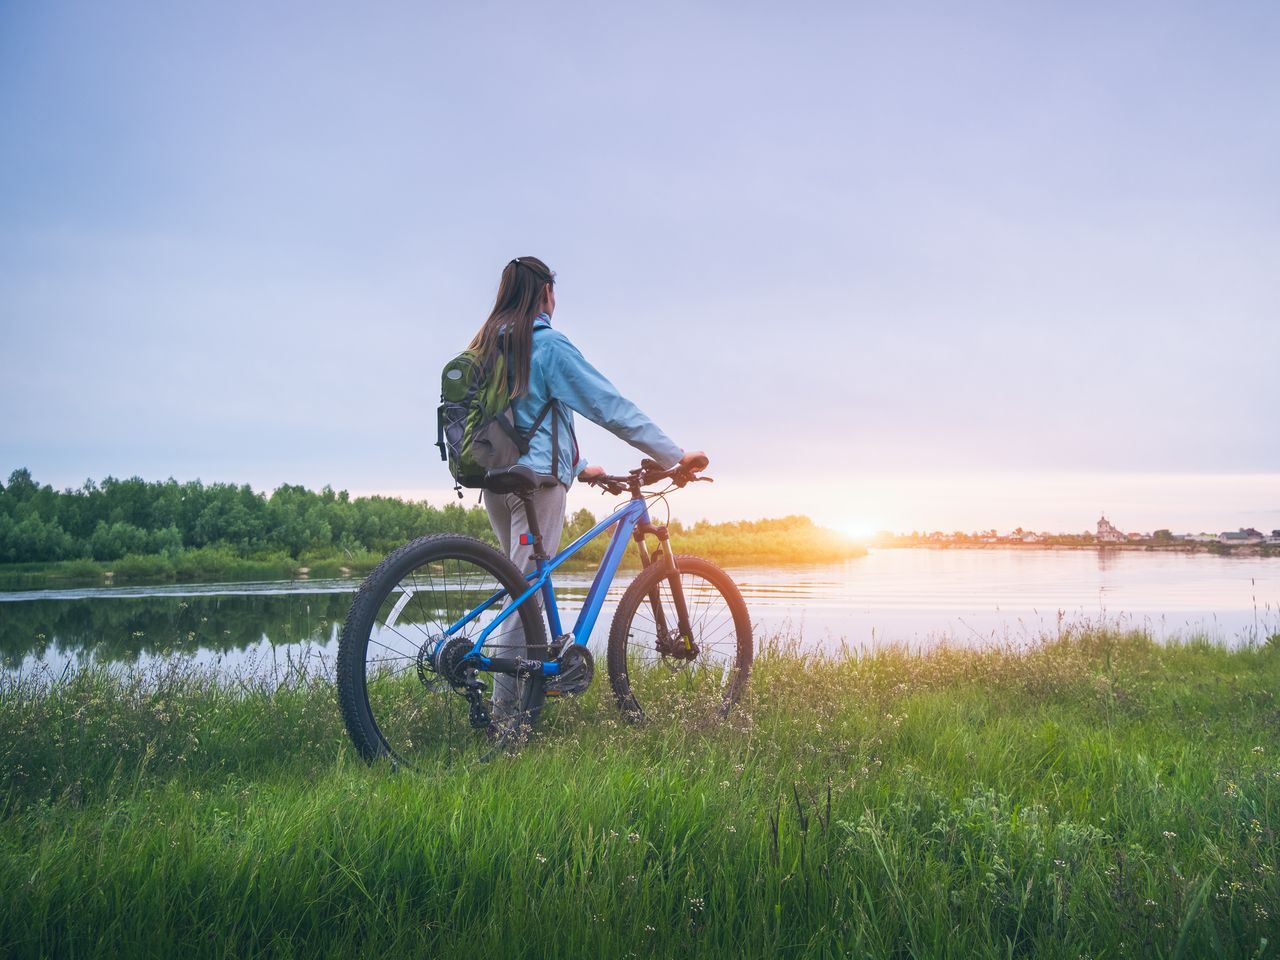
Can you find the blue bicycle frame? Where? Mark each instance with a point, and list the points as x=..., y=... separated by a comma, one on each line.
x=625, y=520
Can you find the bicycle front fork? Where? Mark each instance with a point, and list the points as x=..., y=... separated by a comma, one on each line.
x=681, y=645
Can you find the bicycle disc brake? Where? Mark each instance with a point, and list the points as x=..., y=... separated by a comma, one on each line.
x=428, y=673
x=673, y=645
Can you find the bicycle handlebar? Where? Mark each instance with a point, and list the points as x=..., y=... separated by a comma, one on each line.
x=649, y=473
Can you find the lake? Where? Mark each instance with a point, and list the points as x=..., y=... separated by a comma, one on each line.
x=911, y=597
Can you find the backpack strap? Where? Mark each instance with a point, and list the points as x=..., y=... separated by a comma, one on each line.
x=550, y=407
x=522, y=440
x=555, y=440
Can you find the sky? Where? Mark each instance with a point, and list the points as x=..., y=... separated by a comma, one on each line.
x=896, y=266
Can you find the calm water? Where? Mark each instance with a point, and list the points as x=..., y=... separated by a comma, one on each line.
x=914, y=597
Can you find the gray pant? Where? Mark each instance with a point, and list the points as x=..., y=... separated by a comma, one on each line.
x=507, y=516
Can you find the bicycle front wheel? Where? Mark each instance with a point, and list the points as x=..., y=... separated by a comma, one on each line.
x=651, y=658
x=401, y=679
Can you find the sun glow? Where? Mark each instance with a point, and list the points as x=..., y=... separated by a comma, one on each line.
x=860, y=529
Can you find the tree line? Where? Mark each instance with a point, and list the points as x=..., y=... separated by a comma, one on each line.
x=118, y=518
x=156, y=530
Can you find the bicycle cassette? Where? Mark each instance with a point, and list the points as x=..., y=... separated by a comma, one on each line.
x=448, y=662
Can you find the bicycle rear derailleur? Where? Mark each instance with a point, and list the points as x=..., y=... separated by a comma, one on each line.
x=450, y=663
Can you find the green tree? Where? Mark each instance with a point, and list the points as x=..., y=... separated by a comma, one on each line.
x=113, y=541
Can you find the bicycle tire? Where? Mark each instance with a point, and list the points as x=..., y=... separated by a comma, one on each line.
x=370, y=621
x=726, y=634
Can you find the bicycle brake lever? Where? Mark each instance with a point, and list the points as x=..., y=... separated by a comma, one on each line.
x=690, y=477
x=607, y=486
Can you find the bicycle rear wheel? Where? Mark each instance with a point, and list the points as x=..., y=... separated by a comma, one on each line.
x=401, y=681
x=650, y=659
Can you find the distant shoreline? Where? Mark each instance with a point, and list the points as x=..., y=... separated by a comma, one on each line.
x=1213, y=548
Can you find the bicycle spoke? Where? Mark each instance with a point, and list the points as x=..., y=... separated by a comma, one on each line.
x=648, y=651
x=411, y=711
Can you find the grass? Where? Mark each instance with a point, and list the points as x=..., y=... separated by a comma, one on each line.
x=1095, y=795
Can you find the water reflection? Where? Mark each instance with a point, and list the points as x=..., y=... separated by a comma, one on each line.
x=912, y=597
x=223, y=623
x=127, y=628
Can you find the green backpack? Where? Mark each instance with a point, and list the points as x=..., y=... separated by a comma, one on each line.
x=476, y=429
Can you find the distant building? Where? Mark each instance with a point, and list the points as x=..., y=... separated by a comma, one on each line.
x=1241, y=536
x=1108, y=532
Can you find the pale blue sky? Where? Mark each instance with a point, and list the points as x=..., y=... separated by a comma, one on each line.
x=844, y=247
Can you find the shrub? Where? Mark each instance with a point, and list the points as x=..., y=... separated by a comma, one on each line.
x=134, y=568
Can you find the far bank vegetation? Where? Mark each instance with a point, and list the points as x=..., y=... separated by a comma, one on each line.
x=155, y=531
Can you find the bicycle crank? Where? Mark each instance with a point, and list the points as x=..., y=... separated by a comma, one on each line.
x=577, y=667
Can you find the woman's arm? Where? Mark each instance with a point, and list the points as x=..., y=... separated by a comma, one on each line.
x=588, y=392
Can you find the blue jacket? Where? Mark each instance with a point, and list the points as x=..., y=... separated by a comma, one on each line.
x=558, y=371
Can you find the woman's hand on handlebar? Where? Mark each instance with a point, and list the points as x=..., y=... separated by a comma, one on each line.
x=596, y=477
x=694, y=460
x=648, y=472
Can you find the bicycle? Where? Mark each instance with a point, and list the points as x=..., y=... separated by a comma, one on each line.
x=432, y=615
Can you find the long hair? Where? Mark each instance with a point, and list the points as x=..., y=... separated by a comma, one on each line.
x=510, y=323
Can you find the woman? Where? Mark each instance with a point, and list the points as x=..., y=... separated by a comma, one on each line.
x=546, y=366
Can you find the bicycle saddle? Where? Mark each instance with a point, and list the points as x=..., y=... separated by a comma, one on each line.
x=517, y=479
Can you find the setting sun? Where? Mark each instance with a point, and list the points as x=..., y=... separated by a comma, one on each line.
x=861, y=529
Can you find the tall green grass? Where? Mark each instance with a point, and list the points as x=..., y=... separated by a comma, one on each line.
x=1095, y=795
